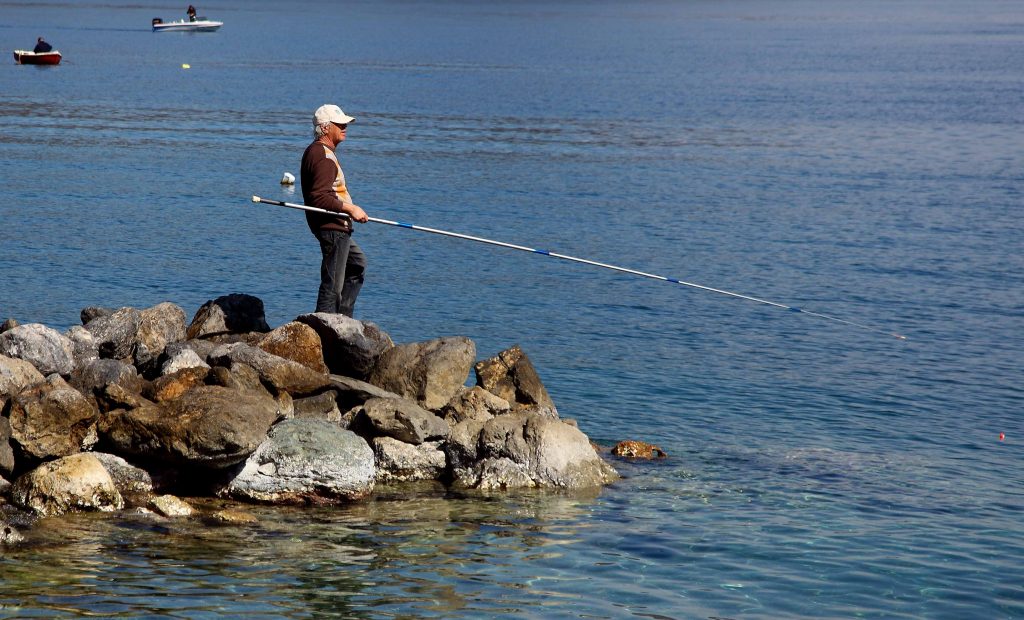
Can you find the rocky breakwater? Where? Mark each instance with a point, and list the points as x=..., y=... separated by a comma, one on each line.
x=134, y=408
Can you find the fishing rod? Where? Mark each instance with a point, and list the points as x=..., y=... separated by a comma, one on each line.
x=584, y=261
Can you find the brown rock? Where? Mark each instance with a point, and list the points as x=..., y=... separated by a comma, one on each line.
x=297, y=342
x=638, y=450
x=511, y=376
x=52, y=419
x=169, y=387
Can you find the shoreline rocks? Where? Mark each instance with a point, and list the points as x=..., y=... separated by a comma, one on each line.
x=320, y=410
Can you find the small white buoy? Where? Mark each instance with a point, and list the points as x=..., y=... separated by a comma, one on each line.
x=186, y=66
x=288, y=179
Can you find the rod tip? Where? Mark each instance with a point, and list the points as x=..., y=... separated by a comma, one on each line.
x=255, y=198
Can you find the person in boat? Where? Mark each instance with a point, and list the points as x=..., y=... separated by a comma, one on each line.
x=323, y=186
x=191, y=13
x=42, y=46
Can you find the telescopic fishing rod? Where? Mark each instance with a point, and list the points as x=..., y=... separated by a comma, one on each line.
x=585, y=261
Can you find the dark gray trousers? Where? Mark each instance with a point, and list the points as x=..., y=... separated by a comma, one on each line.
x=341, y=272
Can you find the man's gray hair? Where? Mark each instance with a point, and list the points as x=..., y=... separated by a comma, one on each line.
x=320, y=130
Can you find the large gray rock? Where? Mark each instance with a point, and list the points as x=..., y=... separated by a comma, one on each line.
x=297, y=342
x=209, y=426
x=181, y=359
x=236, y=313
x=52, y=419
x=283, y=375
x=398, y=461
x=511, y=376
x=16, y=375
x=159, y=326
x=116, y=333
x=525, y=450
x=73, y=483
x=128, y=479
x=47, y=349
x=306, y=461
x=85, y=346
x=93, y=375
x=350, y=347
x=401, y=419
x=428, y=372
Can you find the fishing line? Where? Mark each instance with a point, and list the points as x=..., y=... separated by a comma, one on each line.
x=584, y=261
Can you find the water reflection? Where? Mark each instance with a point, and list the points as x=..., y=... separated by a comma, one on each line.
x=431, y=553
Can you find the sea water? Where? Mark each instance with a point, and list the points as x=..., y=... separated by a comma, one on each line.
x=862, y=160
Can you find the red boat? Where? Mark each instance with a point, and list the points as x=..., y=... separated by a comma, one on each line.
x=25, y=57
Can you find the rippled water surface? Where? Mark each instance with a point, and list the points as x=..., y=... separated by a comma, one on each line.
x=861, y=160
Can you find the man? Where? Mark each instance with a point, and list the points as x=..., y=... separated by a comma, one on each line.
x=42, y=46
x=323, y=187
x=191, y=12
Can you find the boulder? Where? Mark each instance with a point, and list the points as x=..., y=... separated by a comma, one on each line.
x=428, y=372
x=94, y=312
x=46, y=349
x=116, y=333
x=159, y=326
x=129, y=479
x=93, y=375
x=474, y=403
x=350, y=347
x=511, y=376
x=526, y=449
x=182, y=359
x=297, y=342
x=85, y=346
x=52, y=419
x=6, y=452
x=401, y=419
x=306, y=461
x=323, y=406
x=353, y=392
x=283, y=375
x=73, y=483
x=398, y=461
x=169, y=387
x=8, y=324
x=231, y=314
x=16, y=375
x=209, y=426
x=237, y=377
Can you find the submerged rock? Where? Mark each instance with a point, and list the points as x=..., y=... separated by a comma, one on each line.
x=638, y=450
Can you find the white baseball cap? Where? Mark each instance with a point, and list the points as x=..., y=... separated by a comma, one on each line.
x=330, y=113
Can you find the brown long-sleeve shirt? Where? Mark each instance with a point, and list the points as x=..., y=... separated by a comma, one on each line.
x=323, y=187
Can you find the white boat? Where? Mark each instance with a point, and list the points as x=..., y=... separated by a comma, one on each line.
x=184, y=25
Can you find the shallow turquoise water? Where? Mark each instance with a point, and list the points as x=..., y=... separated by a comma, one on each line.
x=863, y=161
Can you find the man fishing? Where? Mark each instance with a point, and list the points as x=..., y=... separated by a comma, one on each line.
x=323, y=187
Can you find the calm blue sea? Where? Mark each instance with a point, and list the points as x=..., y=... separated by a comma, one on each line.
x=859, y=159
